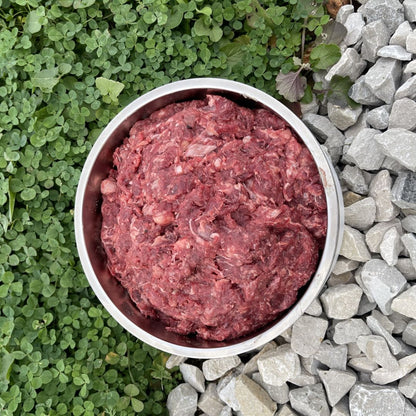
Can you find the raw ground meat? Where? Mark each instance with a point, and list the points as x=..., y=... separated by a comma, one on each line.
x=213, y=217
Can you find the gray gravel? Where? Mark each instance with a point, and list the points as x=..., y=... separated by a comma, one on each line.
x=353, y=351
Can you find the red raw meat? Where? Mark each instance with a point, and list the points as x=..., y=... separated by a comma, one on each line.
x=213, y=217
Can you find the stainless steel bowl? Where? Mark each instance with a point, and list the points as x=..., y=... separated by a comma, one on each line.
x=88, y=220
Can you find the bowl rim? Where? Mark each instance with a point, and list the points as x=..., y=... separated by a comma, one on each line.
x=334, y=206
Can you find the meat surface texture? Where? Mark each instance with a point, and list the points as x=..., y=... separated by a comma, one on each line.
x=214, y=216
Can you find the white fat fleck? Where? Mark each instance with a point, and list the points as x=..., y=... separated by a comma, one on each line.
x=178, y=169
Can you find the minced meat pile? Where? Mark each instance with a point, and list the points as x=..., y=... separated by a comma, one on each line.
x=213, y=217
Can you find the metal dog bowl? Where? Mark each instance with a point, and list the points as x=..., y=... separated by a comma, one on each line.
x=88, y=220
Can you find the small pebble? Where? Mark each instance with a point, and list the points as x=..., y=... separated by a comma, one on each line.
x=209, y=401
x=309, y=400
x=217, y=367
x=405, y=303
x=349, y=330
x=376, y=349
x=342, y=301
x=361, y=215
x=380, y=190
x=337, y=384
x=278, y=366
x=383, y=283
x=193, y=376
x=371, y=400
x=391, y=246
x=182, y=400
x=353, y=245
x=252, y=399
x=307, y=334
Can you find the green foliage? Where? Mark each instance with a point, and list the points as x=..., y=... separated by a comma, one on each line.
x=66, y=68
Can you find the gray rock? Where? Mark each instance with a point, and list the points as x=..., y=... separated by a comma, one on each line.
x=226, y=390
x=363, y=364
x=193, y=376
x=344, y=265
x=395, y=52
x=406, y=268
x=380, y=190
x=374, y=236
x=364, y=151
x=182, y=401
x=386, y=376
x=376, y=349
x=349, y=65
x=405, y=303
x=217, y=367
x=209, y=401
x=404, y=192
x=375, y=324
x=407, y=385
x=309, y=400
x=378, y=118
x=361, y=215
x=252, y=399
x=391, y=246
x=251, y=365
x=403, y=114
x=278, y=366
x=280, y=394
x=410, y=68
x=337, y=384
x=401, y=33
x=343, y=117
x=408, y=89
x=342, y=301
x=286, y=411
x=410, y=10
x=409, y=334
x=399, y=144
x=375, y=35
x=362, y=94
x=354, y=24
x=333, y=356
x=352, y=132
x=382, y=282
x=354, y=178
x=314, y=309
x=389, y=11
x=383, y=78
x=370, y=400
x=344, y=12
x=349, y=330
x=353, y=245
x=409, y=222
x=409, y=242
x=174, y=360
x=307, y=334
x=322, y=128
